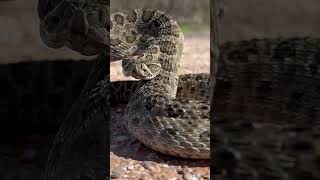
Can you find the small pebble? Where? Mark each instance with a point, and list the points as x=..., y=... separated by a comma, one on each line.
x=180, y=171
x=117, y=173
x=146, y=164
x=165, y=165
x=189, y=176
x=130, y=167
x=140, y=168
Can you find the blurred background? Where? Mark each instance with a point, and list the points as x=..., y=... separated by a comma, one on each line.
x=192, y=15
x=248, y=19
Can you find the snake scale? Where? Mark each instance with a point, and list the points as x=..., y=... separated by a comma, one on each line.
x=266, y=96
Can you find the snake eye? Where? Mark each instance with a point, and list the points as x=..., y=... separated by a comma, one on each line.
x=126, y=65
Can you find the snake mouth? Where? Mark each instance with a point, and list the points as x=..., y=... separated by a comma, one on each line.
x=140, y=70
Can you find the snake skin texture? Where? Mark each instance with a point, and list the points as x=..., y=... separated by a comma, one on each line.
x=248, y=146
x=266, y=100
x=267, y=110
x=80, y=131
x=150, y=44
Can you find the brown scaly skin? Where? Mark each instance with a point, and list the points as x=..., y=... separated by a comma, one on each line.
x=27, y=76
x=150, y=44
x=71, y=23
x=245, y=148
x=267, y=110
x=52, y=86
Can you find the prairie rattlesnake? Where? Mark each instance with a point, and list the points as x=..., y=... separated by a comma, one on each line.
x=264, y=130
x=183, y=128
x=150, y=45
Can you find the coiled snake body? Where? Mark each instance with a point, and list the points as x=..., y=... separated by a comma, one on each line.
x=150, y=45
x=266, y=97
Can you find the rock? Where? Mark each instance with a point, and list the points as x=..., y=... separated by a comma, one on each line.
x=189, y=176
x=117, y=172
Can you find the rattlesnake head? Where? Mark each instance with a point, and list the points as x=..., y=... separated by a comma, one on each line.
x=140, y=69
